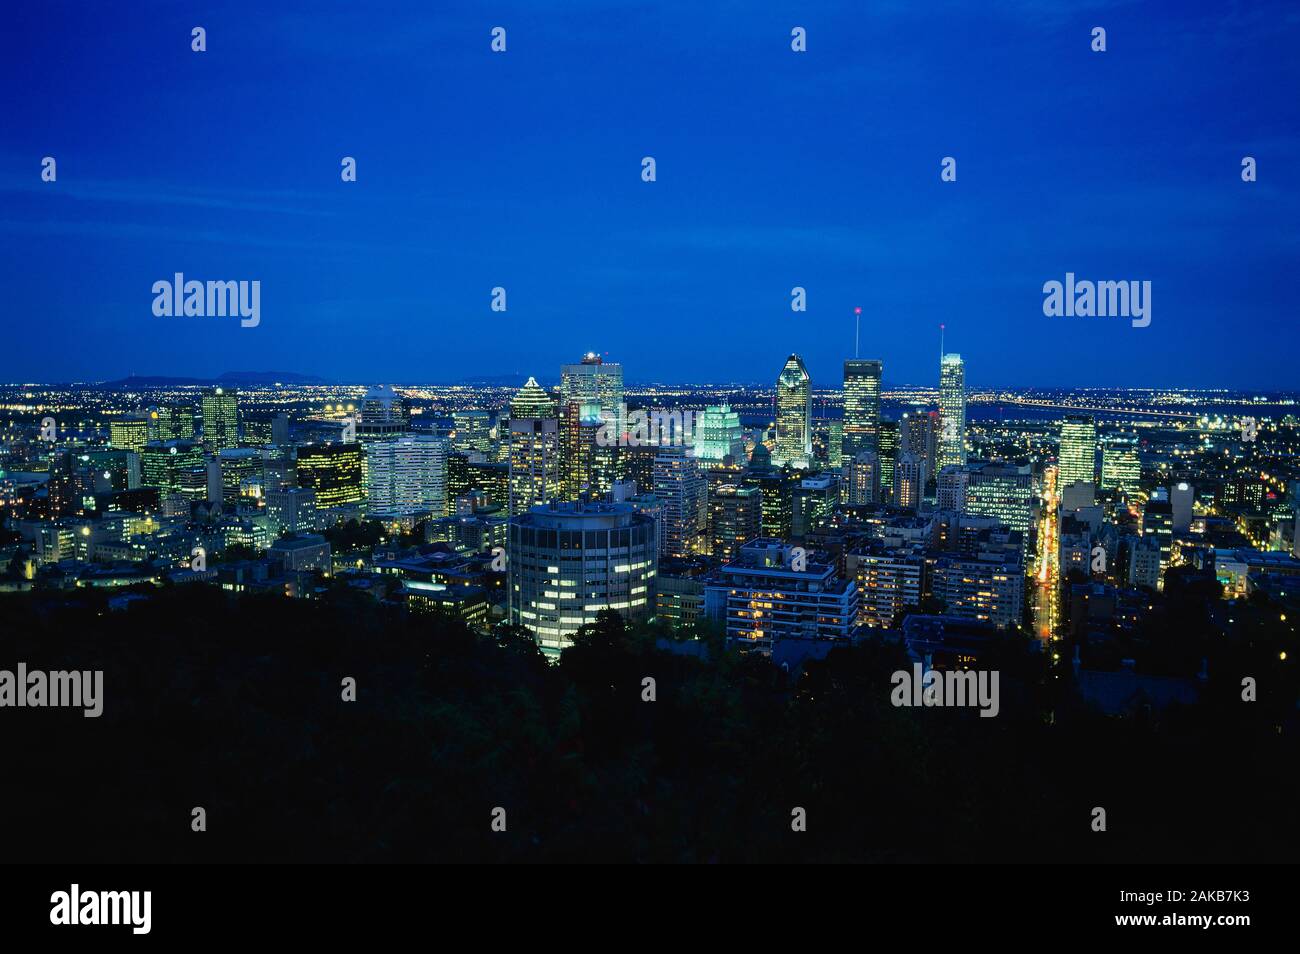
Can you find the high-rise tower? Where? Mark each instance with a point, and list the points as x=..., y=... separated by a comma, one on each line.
x=220, y=420
x=793, y=415
x=952, y=411
x=861, y=406
x=1078, y=450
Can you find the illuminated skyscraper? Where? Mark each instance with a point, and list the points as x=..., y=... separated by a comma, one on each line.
x=1003, y=491
x=170, y=422
x=952, y=412
x=534, y=448
x=918, y=433
x=793, y=415
x=735, y=518
x=718, y=436
x=1078, y=459
x=887, y=454
x=595, y=380
x=407, y=475
x=129, y=433
x=863, y=479
x=534, y=462
x=1121, y=467
x=220, y=420
x=384, y=414
x=334, y=471
x=176, y=468
x=951, y=490
x=532, y=400
x=473, y=431
x=683, y=489
x=861, y=406
x=580, y=429
x=909, y=478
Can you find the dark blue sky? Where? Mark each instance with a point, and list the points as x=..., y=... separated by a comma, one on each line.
x=775, y=169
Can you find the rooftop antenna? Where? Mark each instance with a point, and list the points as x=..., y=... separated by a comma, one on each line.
x=857, y=329
x=941, y=344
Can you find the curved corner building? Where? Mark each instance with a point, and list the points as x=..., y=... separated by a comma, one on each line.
x=569, y=561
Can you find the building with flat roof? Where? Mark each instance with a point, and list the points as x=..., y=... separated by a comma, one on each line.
x=569, y=561
x=773, y=592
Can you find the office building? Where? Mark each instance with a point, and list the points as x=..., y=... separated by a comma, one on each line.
x=683, y=490
x=128, y=433
x=407, y=476
x=534, y=462
x=952, y=412
x=766, y=597
x=595, y=381
x=1121, y=466
x=793, y=415
x=176, y=468
x=569, y=561
x=735, y=518
x=334, y=472
x=220, y=410
x=909, y=481
x=472, y=432
x=861, y=406
x=718, y=437
x=863, y=480
x=1004, y=491
x=1078, y=457
x=952, y=484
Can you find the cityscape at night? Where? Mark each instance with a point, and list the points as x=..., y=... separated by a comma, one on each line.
x=641, y=434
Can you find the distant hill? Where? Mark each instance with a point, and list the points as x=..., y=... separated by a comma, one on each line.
x=229, y=378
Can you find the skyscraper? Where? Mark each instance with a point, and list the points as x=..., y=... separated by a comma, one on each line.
x=407, y=475
x=861, y=406
x=951, y=490
x=532, y=400
x=909, y=477
x=384, y=414
x=684, y=492
x=952, y=412
x=1121, y=466
x=220, y=420
x=863, y=479
x=918, y=434
x=579, y=429
x=334, y=471
x=735, y=518
x=1078, y=450
x=534, y=448
x=1004, y=491
x=128, y=433
x=175, y=468
x=594, y=380
x=170, y=422
x=473, y=431
x=793, y=415
x=534, y=462
x=887, y=454
x=718, y=436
